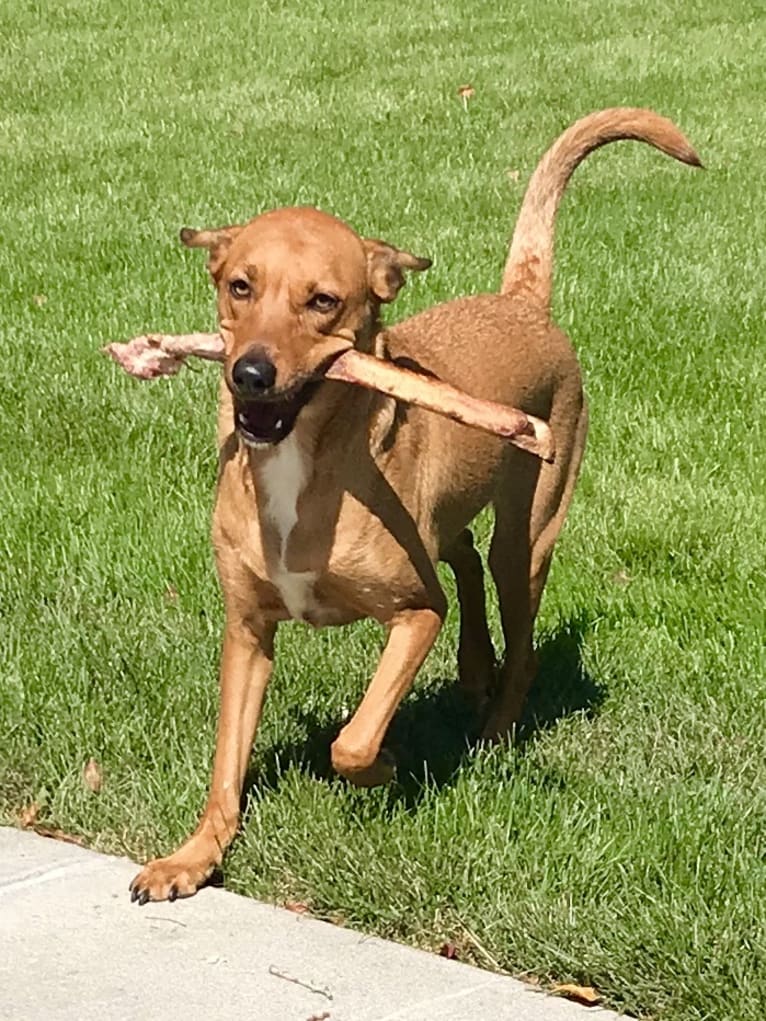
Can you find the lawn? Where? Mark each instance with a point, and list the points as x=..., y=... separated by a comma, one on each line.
x=621, y=842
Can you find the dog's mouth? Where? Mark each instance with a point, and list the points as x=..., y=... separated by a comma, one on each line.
x=264, y=422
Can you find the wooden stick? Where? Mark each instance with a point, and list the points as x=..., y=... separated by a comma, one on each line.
x=161, y=354
x=156, y=354
x=516, y=426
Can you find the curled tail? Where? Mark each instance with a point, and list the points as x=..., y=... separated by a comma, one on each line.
x=530, y=260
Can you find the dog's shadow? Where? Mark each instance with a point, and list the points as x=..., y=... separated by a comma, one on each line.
x=433, y=732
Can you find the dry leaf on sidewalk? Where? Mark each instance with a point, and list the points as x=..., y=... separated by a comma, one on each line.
x=92, y=776
x=296, y=906
x=28, y=816
x=586, y=995
x=529, y=978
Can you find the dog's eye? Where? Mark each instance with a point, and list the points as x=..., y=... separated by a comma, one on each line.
x=239, y=288
x=323, y=302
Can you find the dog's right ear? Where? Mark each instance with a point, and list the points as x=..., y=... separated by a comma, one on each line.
x=217, y=241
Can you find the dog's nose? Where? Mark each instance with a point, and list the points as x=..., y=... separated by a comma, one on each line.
x=252, y=375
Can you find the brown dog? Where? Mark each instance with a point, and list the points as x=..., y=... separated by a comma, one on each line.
x=336, y=503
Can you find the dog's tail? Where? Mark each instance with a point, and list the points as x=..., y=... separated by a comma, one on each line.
x=530, y=260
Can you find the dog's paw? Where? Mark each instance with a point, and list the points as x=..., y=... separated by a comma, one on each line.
x=381, y=771
x=170, y=878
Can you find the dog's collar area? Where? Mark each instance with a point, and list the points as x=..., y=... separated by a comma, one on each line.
x=265, y=422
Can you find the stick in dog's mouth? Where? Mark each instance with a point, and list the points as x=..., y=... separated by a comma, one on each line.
x=267, y=421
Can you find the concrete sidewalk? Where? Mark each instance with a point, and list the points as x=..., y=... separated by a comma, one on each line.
x=73, y=947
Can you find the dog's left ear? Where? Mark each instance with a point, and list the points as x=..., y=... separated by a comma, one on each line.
x=385, y=268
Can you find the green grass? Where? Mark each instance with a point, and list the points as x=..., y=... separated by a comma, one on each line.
x=622, y=842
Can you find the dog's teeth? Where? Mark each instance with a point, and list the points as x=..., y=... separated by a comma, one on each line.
x=255, y=444
x=278, y=424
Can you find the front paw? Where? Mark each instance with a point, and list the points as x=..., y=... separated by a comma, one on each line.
x=381, y=770
x=180, y=875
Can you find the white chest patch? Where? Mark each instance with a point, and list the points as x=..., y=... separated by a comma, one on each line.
x=282, y=480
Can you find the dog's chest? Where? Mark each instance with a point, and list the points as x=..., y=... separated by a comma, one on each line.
x=280, y=484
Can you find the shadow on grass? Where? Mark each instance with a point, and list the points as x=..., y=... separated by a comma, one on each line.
x=562, y=686
x=434, y=730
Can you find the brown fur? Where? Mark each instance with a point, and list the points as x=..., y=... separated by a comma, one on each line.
x=383, y=491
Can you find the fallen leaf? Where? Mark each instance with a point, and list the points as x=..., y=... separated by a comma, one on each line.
x=28, y=816
x=296, y=906
x=39, y=299
x=466, y=92
x=318, y=1017
x=67, y=838
x=448, y=950
x=529, y=978
x=92, y=776
x=585, y=995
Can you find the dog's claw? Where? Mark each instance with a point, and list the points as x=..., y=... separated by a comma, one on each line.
x=172, y=878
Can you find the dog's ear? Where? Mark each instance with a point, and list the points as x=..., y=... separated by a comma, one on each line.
x=386, y=266
x=217, y=241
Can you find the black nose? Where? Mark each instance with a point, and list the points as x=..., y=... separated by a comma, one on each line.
x=252, y=375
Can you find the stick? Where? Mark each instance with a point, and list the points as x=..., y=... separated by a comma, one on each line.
x=516, y=426
x=162, y=354
x=156, y=354
x=296, y=981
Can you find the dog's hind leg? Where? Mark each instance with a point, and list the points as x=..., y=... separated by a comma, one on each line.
x=529, y=514
x=520, y=556
x=549, y=511
x=509, y=561
x=475, y=655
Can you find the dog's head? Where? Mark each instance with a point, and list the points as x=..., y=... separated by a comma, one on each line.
x=295, y=288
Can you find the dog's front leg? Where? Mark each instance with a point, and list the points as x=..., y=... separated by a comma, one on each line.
x=246, y=662
x=356, y=752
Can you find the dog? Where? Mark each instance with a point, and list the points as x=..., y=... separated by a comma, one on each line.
x=336, y=503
